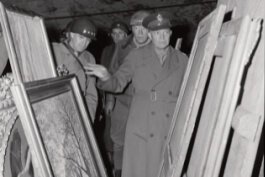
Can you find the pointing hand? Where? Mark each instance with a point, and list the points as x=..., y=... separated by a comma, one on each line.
x=97, y=70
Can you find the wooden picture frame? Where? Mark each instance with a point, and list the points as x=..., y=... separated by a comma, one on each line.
x=57, y=127
x=191, y=93
x=248, y=119
x=232, y=53
x=27, y=45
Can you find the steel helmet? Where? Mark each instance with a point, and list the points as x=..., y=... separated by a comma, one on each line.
x=120, y=25
x=83, y=26
x=138, y=17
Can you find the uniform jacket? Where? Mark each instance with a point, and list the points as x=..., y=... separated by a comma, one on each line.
x=121, y=51
x=122, y=100
x=63, y=56
x=156, y=89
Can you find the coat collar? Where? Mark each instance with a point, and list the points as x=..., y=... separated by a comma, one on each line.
x=159, y=71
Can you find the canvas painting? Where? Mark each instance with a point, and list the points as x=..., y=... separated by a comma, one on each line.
x=66, y=145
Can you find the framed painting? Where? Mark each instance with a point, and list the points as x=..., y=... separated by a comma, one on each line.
x=191, y=93
x=27, y=45
x=57, y=127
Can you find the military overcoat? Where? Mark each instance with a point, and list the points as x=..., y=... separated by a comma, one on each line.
x=156, y=89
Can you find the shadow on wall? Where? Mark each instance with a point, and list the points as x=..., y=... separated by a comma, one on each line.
x=97, y=46
x=187, y=34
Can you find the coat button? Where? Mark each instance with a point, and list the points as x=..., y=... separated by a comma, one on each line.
x=167, y=115
x=170, y=92
x=151, y=135
x=153, y=112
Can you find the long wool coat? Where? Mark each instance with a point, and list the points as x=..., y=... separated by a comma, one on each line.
x=156, y=89
x=87, y=84
x=122, y=100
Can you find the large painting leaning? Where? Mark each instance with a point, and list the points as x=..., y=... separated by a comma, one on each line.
x=57, y=128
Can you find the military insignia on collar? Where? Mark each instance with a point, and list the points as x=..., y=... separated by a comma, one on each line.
x=159, y=17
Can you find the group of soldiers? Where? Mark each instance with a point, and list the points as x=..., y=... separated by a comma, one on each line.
x=138, y=79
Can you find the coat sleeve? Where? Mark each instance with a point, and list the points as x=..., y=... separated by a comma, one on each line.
x=91, y=94
x=121, y=77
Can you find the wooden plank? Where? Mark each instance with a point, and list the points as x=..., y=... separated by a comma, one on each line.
x=252, y=102
x=27, y=45
x=248, y=120
x=191, y=92
x=178, y=43
x=220, y=100
x=3, y=52
x=210, y=107
x=245, y=123
x=230, y=94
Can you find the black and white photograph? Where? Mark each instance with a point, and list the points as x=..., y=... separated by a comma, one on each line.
x=132, y=88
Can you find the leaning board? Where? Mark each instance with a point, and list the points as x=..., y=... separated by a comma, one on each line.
x=221, y=99
x=191, y=93
x=27, y=45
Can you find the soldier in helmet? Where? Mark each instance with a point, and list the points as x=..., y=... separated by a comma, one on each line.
x=71, y=56
x=156, y=72
x=118, y=104
x=118, y=32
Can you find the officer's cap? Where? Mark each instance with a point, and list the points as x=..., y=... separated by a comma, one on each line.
x=157, y=21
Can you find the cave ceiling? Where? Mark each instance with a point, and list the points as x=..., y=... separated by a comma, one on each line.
x=57, y=13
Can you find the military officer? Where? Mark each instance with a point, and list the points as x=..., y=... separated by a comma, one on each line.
x=118, y=104
x=71, y=56
x=156, y=71
x=119, y=31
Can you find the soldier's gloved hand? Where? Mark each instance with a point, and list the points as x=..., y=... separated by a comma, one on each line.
x=97, y=70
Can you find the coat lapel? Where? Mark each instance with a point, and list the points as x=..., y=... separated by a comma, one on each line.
x=159, y=71
x=152, y=62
